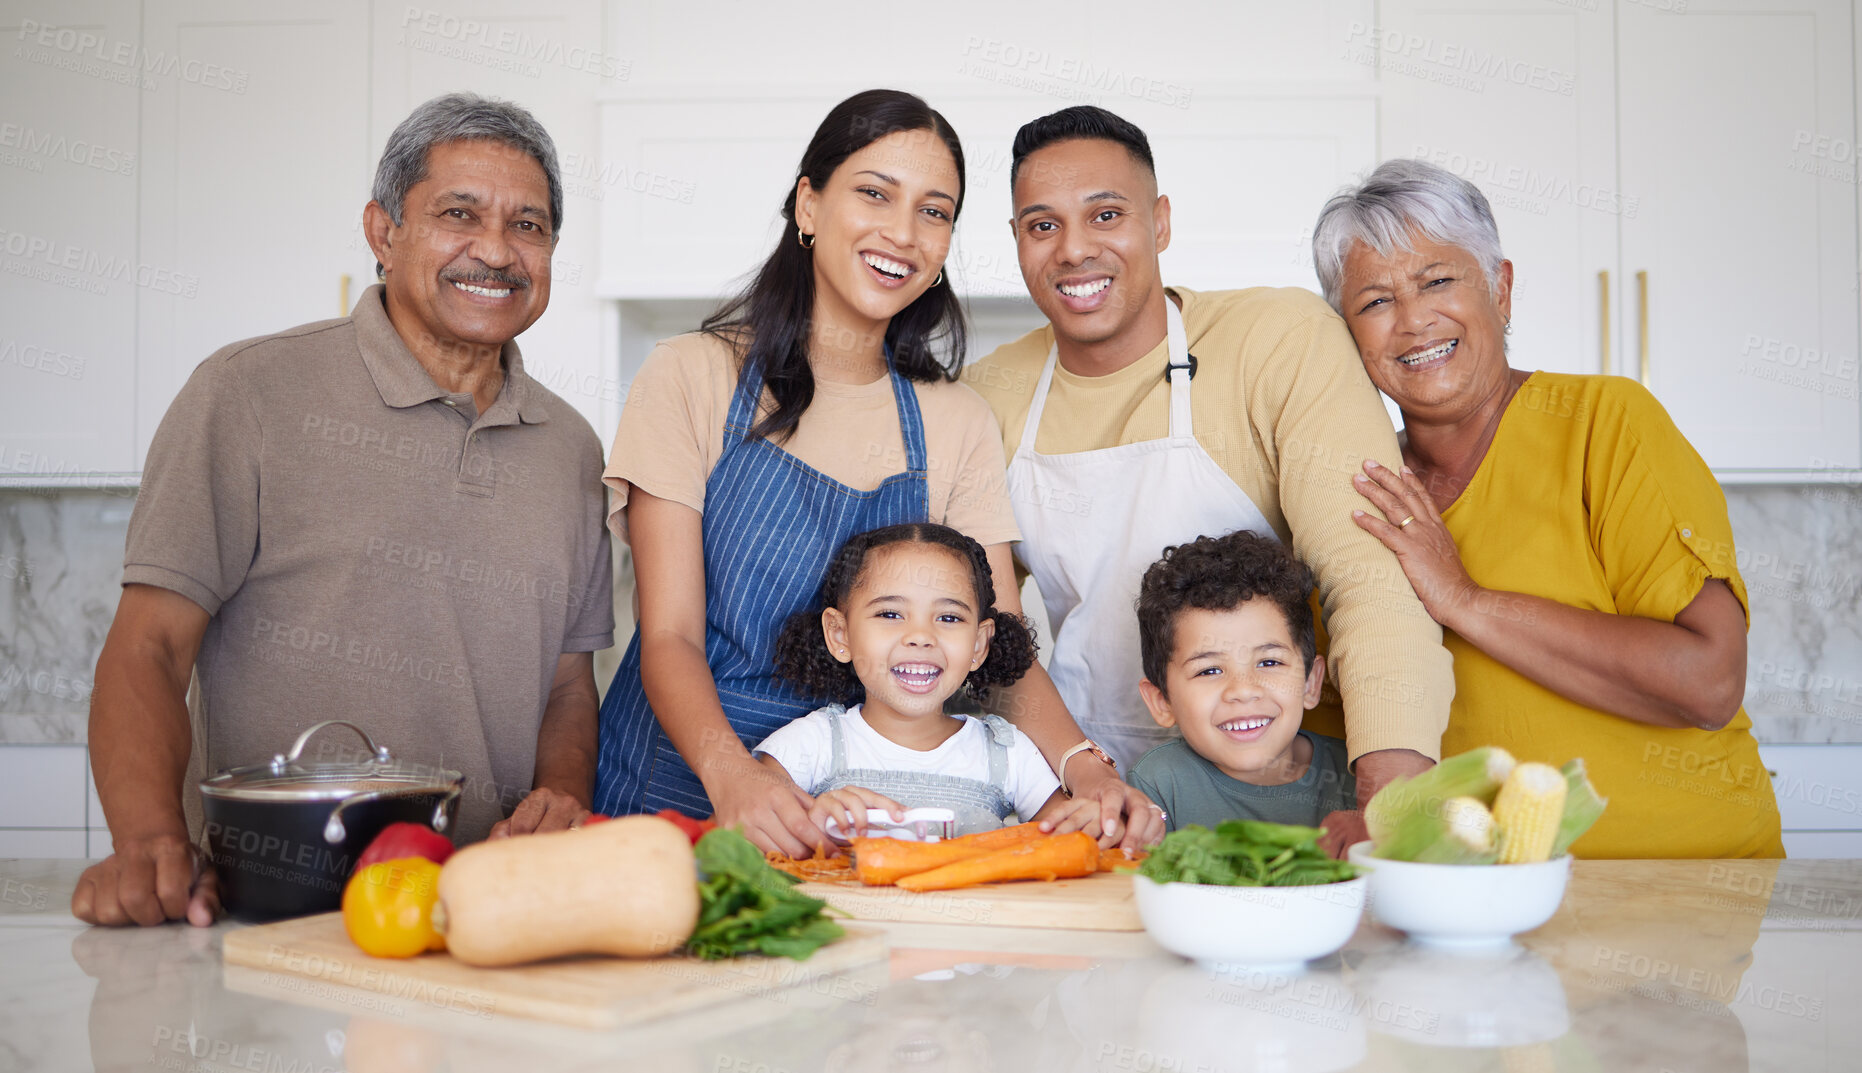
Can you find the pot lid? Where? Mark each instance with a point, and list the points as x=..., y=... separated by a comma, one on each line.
x=286, y=778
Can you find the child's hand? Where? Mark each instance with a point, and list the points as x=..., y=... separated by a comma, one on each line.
x=847, y=808
x=1063, y=813
x=1341, y=830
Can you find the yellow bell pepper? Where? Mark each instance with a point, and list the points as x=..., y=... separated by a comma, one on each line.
x=388, y=908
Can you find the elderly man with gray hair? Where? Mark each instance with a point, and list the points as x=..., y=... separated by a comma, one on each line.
x=380, y=518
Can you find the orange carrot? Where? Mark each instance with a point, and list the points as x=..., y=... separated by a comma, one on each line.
x=1111, y=860
x=882, y=861
x=1051, y=857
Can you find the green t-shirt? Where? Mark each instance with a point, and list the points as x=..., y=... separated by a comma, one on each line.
x=1192, y=790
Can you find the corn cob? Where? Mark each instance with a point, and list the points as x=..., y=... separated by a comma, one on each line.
x=1528, y=812
x=1582, y=807
x=1459, y=831
x=1476, y=773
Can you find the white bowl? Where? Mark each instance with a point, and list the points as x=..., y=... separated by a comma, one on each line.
x=1255, y=927
x=1463, y=906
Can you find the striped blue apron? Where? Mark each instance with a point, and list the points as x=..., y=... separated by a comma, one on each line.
x=771, y=525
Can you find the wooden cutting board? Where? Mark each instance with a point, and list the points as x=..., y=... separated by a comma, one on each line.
x=1102, y=901
x=588, y=992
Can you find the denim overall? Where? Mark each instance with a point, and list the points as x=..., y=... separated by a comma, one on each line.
x=771, y=525
x=979, y=805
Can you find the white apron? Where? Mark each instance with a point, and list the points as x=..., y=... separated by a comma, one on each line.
x=1091, y=523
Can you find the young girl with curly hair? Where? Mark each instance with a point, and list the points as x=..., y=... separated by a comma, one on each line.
x=907, y=617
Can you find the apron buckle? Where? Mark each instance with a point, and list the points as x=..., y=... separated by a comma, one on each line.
x=1189, y=364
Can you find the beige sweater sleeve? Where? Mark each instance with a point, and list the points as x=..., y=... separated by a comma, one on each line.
x=1321, y=418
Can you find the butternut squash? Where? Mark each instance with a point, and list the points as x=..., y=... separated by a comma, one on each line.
x=627, y=887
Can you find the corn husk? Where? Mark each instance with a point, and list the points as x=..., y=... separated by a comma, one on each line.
x=1459, y=830
x=1477, y=773
x=1582, y=807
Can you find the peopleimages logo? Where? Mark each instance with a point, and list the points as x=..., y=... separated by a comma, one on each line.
x=439, y=26
x=39, y=143
x=1470, y=60
x=70, y=48
x=88, y=267
x=1038, y=69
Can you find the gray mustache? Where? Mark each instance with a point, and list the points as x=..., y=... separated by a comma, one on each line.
x=489, y=277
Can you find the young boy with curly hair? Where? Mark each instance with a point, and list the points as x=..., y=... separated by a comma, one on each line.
x=1226, y=638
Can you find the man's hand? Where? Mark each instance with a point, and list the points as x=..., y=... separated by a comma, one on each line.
x=1342, y=829
x=1126, y=816
x=149, y=881
x=1373, y=770
x=543, y=810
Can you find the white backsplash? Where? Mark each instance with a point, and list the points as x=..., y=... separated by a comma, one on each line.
x=1800, y=551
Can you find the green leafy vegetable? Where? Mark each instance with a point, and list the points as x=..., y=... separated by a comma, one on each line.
x=1245, y=853
x=747, y=907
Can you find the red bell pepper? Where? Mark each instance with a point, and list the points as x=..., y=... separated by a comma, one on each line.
x=398, y=840
x=694, y=829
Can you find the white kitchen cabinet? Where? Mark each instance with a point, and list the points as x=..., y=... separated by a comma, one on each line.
x=1618, y=139
x=1748, y=244
x=256, y=169
x=1518, y=97
x=71, y=76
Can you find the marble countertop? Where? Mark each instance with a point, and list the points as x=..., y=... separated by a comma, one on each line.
x=1694, y=966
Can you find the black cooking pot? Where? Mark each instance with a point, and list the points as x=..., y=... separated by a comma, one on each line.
x=285, y=835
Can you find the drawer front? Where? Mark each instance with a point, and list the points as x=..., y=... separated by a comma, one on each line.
x=1819, y=787
x=42, y=786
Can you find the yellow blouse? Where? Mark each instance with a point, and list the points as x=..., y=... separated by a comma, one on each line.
x=1590, y=496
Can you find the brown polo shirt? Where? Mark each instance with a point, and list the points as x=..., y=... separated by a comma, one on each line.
x=372, y=549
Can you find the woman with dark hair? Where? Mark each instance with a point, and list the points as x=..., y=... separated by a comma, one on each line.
x=819, y=403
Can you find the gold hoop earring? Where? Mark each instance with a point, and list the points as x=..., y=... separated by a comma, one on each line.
x=807, y=241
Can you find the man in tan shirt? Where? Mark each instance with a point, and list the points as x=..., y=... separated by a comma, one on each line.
x=1274, y=416
x=380, y=518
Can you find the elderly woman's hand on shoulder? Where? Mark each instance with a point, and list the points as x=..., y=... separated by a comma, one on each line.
x=1413, y=529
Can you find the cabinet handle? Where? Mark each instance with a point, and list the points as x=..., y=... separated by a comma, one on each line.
x=1603, y=330
x=342, y=300
x=1642, y=311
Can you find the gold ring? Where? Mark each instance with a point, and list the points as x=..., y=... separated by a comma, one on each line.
x=1405, y=522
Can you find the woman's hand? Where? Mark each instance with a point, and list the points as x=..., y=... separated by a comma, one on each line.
x=762, y=801
x=1413, y=529
x=847, y=808
x=1126, y=817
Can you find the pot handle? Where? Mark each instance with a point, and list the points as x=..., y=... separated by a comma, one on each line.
x=334, y=831
x=281, y=761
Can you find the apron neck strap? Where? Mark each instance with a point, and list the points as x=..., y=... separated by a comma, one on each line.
x=911, y=422
x=749, y=396
x=1177, y=372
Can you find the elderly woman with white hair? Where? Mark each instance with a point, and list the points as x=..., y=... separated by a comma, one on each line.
x=1573, y=545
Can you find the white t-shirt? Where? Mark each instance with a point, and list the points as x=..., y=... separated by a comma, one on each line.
x=805, y=749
